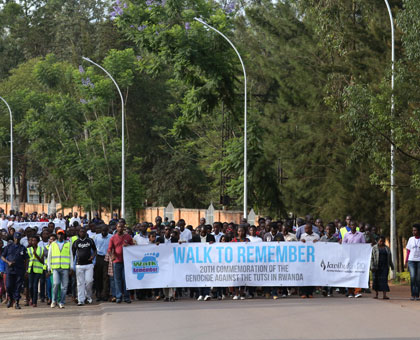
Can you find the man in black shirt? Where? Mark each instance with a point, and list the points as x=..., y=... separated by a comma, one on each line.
x=84, y=250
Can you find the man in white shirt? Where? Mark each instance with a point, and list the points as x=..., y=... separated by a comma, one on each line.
x=142, y=237
x=3, y=222
x=60, y=221
x=185, y=235
x=309, y=235
x=217, y=226
x=75, y=218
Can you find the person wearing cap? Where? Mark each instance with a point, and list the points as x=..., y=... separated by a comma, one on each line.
x=60, y=261
x=15, y=256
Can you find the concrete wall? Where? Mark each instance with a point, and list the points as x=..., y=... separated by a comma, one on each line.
x=191, y=216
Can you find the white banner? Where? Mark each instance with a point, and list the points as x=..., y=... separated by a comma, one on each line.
x=247, y=264
x=23, y=225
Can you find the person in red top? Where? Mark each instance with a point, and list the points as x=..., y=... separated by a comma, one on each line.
x=115, y=249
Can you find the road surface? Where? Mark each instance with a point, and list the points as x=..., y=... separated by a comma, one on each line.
x=292, y=318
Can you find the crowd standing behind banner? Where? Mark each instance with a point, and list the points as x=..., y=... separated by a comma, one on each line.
x=52, y=259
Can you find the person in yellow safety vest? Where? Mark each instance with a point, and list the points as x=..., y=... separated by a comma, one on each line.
x=344, y=230
x=60, y=263
x=35, y=268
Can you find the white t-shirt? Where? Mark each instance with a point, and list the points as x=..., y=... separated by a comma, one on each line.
x=185, y=235
x=60, y=223
x=75, y=219
x=413, y=245
x=139, y=239
x=218, y=236
x=309, y=238
x=3, y=224
x=254, y=238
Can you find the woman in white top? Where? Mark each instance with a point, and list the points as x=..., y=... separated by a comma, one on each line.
x=413, y=261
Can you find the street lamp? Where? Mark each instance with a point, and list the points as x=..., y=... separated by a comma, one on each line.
x=245, y=114
x=393, y=216
x=11, y=154
x=123, y=139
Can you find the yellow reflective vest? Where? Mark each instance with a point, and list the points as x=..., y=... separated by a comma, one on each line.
x=60, y=259
x=34, y=264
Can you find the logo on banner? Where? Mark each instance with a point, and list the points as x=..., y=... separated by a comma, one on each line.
x=148, y=265
x=340, y=267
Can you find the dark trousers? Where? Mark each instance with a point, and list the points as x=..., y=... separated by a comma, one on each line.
x=33, y=280
x=42, y=285
x=14, y=285
x=204, y=291
x=101, y=277
x=307, y=290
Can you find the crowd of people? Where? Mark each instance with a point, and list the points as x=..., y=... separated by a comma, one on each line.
x=82, y=260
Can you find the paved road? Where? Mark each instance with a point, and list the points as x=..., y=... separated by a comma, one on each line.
x=291, y=318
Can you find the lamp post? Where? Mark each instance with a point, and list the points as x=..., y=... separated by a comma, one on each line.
x=245, y=114
x=11, y=153
x=123, y=138
x=393, y=216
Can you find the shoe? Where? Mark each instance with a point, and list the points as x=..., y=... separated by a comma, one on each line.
x=358, y=296
x=89, y=301
x=171, y=299
x=114, y=299
x=283, y=296
x=412, y=299
x=118, y=301
x=275, y=297
x=236, y=297
x=166, y=300
x=157, y=298
x=17, y=306
x=10, y=303
x=223, y=297
x=34, y=305
x=43, y=300
x=48, y=301
x=207, y=297
x=350, y=296
x=219, y=298
x=303, y=296
x=200, y=298
x=53, y=304
x=324, y=293
x=329, y=295
x=127, y=301
x=310, y=297
x=242, y=298
x=417, y=298
x=61, y=305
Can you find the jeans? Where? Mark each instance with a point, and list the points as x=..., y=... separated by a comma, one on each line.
x=42, y=284
x=112, y=285
x=84, y=274
x=60, y=279
x=48, y=285
x=119, y=278
x=33, y=280
x=414, y=269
